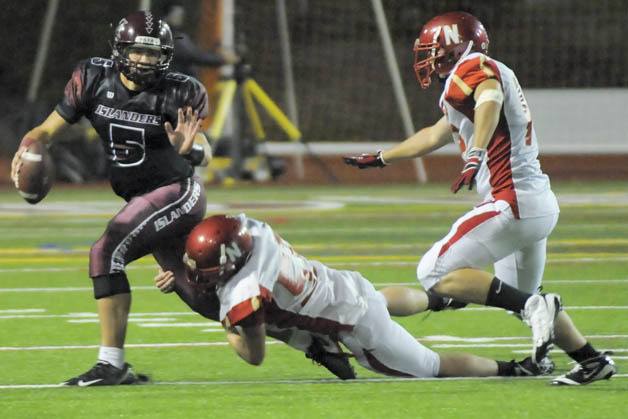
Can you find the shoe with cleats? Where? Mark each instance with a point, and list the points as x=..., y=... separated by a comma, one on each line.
x=527, y=368
x=105, y=374
x=337, y=363
x=593, y=369
x=539, y=313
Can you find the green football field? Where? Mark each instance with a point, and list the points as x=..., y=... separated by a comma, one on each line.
x=49, y=330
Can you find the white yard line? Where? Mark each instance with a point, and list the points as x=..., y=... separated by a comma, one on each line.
x=128, y=345
x=471, y=342
x=327, y=381
x=74, y=315
x=23, y=310
x=132, y=320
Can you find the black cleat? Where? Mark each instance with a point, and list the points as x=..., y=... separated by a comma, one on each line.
x=134, y=377
x=105, y=374
x=337, y=363
x=597, y=368
x=451, y=304
x=527, y=368
x=439, y=303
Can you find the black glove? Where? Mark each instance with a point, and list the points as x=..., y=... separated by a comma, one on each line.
x=364, y=161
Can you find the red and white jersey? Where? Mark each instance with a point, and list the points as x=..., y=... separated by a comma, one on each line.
x=293, y=291
x=511, y=170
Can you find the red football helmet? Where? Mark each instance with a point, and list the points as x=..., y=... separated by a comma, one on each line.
x=443, y=41
x=142, y=30
x=216, y=249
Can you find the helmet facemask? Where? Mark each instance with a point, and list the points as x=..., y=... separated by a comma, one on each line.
x=143, y=74
x=212, y=276
x=424, y=57
x=444, y=41
x=431, y=57
x=141, y=32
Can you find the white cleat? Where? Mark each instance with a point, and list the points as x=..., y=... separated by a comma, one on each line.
x=539, y=313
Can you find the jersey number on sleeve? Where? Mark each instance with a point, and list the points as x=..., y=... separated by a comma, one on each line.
x=526, y=111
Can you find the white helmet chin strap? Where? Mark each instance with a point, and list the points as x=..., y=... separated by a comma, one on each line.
x=466, y=51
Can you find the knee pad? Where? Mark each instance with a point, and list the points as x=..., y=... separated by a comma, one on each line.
x=112, y=284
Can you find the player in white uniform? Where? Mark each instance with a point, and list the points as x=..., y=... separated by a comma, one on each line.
x=487, y=114
x=264, y=285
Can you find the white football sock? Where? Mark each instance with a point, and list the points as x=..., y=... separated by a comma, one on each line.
x=111, y=355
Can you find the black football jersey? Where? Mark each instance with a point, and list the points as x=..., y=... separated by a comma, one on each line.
x=131, y=124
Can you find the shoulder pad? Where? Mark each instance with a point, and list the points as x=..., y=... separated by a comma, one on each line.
x=469, y=73
x=101, y=62
x=177, y=77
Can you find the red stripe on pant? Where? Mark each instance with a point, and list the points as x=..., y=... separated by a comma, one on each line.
x=465, y=227
x=379, y=367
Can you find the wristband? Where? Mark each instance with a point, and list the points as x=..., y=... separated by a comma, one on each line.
x=196, y=155
x=381, y=157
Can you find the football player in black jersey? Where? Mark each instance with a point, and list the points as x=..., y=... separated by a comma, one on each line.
x=148, y=119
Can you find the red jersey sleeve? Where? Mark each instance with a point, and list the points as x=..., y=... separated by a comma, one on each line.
x=468, y=76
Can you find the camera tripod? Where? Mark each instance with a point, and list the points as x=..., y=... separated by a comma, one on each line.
x=244, y=91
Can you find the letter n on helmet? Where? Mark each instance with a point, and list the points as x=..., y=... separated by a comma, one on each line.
x=216, y=249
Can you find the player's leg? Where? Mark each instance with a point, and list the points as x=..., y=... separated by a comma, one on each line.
x=406, y=301
x=141, y=224
x=382, y=345
x=485, y=235
x=524, y=270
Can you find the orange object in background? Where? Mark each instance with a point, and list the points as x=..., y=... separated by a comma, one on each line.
x=209, y=35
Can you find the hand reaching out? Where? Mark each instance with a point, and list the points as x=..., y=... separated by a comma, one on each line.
x=365, y=161
x=188, y=123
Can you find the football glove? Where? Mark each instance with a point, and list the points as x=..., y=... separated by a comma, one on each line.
x=470, y=170
x=364, y=161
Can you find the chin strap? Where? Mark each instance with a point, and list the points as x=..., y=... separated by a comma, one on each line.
x=466, y=51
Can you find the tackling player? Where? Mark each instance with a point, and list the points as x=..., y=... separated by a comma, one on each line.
x=486, y=114
x=265, y=287
x=148, y=120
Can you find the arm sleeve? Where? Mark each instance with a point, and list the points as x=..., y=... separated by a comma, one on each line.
x=197, y=98
x=73, y=105
x=187, y=52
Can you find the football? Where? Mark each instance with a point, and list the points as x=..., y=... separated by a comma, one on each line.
x=36, y=173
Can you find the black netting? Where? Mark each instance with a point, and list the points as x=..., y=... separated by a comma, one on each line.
x=342, y=84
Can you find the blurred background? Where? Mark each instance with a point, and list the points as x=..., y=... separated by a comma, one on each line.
x=324, y=63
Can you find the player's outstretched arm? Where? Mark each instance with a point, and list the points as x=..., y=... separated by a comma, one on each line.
x=249, y=339
x=423, y=142
x=43, y=132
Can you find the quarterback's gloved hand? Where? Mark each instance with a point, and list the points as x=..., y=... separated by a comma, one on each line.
x=364, y=161
x=467, y=176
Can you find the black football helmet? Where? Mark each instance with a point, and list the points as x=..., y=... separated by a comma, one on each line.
x=142, y=30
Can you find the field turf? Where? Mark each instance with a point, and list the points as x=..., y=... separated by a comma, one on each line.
x=49, y=330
